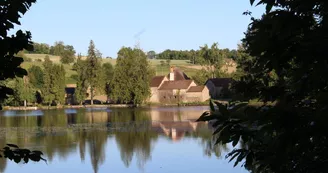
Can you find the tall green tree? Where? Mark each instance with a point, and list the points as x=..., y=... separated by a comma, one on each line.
x=40, y=48
x=35, y=75
x=53, y=90
x=201, y=77
x=132, y=75
x=212, y=59
x=58, y=79
x=66, y=52
x=93, y=67
x=108, y=74
x=81, y=84
x=24, y=91
x=47, y=92
x=289, y=66
x=67, y=57
x=151, y=54
x=58, y=48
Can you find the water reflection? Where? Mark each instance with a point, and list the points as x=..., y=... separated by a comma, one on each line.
x=135, y=131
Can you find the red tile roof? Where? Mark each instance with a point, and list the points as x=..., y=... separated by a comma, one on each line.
x=179, y=84
x=179, y=75
x=156, y=81
x=196, y=89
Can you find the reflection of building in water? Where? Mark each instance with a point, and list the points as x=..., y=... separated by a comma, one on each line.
x=176, y=113
x=174, y=122
x=175, y=130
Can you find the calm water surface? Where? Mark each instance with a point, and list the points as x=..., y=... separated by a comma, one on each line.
x=147, y=140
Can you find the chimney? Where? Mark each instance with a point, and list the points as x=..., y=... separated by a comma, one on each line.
x=172, y=73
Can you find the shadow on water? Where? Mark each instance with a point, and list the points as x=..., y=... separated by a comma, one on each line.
x=86, y=132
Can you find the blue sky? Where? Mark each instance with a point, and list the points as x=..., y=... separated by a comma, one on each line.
x=167, y=24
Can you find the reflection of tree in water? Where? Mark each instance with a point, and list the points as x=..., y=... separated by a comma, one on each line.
x=55, y=142
x=137, y=138
x=62, y=144
x=133, y=129
x=82, y=136
x=51, y=143
x=97, y=142
x=207, y=141
x=3, y=162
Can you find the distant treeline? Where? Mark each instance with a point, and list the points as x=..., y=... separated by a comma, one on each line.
x=66, y=52
x=57, y=49
x=193, y=55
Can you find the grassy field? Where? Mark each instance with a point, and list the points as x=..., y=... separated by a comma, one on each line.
x=153, y=62
x=36, y=57
x=184, y=65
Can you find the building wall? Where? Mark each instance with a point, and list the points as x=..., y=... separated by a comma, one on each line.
x=97, y=96
x=154, y=95
x=205, y=94
x=214, y=92
x=198, y=96
x=102, y=98
x=194, y=97
x=172, y=96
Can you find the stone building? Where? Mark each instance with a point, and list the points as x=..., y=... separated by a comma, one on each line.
x=176, y=87
x=70, y=98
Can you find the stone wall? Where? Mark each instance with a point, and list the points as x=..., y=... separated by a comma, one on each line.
x=198, y=96
x=171, y=96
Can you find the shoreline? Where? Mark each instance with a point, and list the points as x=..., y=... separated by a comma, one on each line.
x=100, y=106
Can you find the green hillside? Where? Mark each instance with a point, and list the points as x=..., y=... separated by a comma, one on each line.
x=37, y=59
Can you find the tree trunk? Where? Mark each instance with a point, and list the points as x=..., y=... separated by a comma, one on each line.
x=25, y=103
x=91, y=92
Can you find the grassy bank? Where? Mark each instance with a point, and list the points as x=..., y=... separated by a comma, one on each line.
x=102, y=106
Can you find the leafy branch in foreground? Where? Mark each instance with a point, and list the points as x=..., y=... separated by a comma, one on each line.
x=13, y=152
x=270, y=138
x=288, y=46
x=10, y=65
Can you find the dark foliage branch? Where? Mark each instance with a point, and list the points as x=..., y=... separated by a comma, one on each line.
x=16, y=154
x=10, y=12
x=286, y=131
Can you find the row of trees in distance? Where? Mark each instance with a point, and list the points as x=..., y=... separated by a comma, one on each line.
x=66, y=52
x=194, y=56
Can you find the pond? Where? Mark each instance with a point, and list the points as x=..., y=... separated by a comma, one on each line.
x=145, y=140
